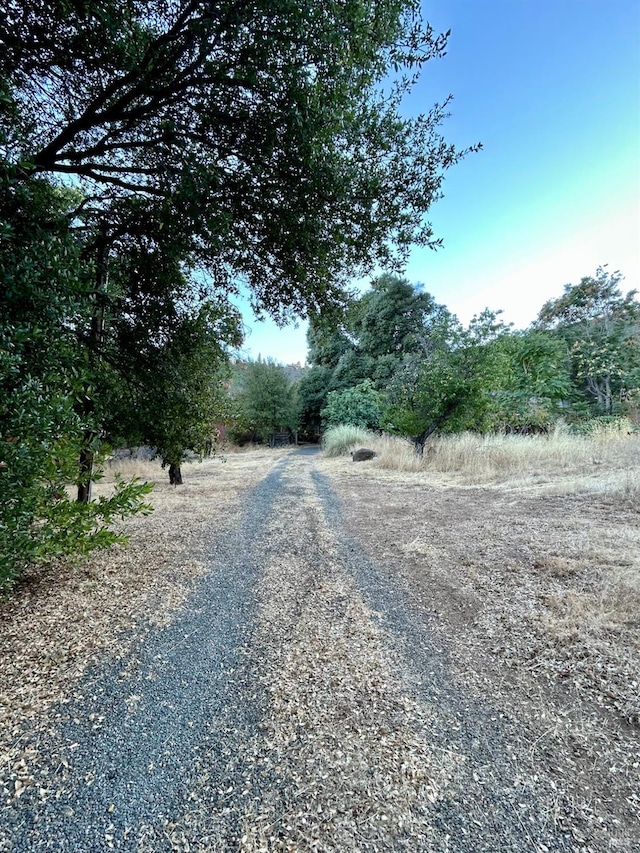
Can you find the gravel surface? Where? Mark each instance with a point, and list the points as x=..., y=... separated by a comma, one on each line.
x=299, y=702
x=121, y=763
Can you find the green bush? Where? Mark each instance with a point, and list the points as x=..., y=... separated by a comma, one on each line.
x=40, y=443
x=39, y=521
x=359, y=406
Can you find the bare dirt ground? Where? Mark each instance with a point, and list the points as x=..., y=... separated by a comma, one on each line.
x=537, y=597
x=441, y=668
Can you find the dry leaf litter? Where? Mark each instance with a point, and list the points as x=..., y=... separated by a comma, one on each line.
x=306, y=696
x=538, y=593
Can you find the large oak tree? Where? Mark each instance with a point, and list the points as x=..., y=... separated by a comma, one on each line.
x=270, y=130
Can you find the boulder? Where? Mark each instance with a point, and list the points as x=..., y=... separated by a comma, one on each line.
x=363, y=454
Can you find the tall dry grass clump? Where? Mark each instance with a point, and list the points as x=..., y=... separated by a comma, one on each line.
x=341, y=440
x=606, y=459
x=147, y=470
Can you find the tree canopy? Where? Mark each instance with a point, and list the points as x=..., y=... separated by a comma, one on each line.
x=371, y=341
x=229, y=113
x=357, y=406
x=44, y=380
x=580, y=359
x=601, y=328
x=266, y=398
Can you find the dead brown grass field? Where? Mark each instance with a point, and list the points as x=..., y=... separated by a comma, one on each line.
x=59, y=621
x=524, y=553
x=542, y=528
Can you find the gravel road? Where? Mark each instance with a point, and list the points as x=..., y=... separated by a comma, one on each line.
x=299, y=702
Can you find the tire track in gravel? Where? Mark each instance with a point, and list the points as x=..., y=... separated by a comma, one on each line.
x=120, y=766
x=496, y=800
x=299, y=703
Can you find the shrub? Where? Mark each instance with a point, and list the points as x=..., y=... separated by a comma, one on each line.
x=358, y=406
x=40, y=440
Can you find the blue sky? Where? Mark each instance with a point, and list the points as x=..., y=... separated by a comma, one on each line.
x=552, y=90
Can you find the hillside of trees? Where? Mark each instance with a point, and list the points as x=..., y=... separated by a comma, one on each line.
x=396, y=361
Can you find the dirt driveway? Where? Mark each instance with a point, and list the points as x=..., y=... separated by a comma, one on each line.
x=345, y=675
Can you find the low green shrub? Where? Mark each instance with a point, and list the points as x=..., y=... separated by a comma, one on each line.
x=40, y=521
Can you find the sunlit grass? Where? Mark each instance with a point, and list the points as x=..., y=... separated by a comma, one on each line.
x=606, y=460
x=341, y=440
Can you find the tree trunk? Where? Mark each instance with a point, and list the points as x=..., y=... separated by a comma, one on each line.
x=85, y=463
x=608, y=395
x=419, y=440
x=175, y=475
x=96, y=336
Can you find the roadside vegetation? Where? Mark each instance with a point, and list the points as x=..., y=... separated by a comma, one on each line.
x=262, y=402
x=539, y=534
x=398, y=362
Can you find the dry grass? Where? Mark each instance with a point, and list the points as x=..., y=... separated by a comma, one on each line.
x=249, y=459
x=543, y=530
x=341, y=440
x=525, y=554
x=606, y=461
x=556, y=544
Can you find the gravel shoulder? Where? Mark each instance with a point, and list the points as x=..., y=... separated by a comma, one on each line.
x=313, y=689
